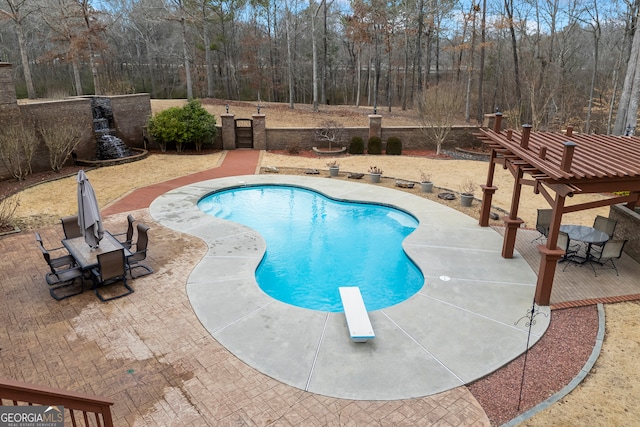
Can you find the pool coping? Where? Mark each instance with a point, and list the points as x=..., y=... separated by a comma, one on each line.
x=463, y=324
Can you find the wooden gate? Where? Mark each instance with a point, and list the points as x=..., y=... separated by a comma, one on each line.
x=244, y=133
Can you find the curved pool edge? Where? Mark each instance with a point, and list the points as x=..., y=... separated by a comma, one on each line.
x=385, y=274
x=450, y=333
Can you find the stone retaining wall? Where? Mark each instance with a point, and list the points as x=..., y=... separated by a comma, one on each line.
x=628, y=227
x=412, y=137
x=130, y=116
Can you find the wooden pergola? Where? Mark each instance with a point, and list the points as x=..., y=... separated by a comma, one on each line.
x=558, y=166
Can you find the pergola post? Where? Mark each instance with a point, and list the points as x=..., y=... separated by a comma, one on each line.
x=512, y=222
x=487, y=192
x=549, y=255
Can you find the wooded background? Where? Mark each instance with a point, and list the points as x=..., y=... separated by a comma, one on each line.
x=548, y=63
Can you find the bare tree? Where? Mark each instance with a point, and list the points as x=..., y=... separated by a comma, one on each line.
x=288, y=34
x=61, y=137
x=437, y=108
x=18, y=143
x=509, y=9
x=60, y=17
x=626, y=117
x=314, y=65
x=17, y=11
x=330, y=132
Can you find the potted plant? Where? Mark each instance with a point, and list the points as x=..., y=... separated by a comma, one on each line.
x=466, y=193
x=334, y=167
x=425, y=182
x=375, y=173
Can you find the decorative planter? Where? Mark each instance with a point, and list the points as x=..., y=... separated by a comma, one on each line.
x=6, y=233
x=427, y=187
x=375, y=177
x=466, y=199
x=333, y=171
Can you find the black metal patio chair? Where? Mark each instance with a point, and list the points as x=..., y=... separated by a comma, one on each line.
x=110, y=271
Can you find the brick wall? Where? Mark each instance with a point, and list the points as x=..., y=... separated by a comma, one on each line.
x=7, y=88
x=130, y=115
x=74, y=110
x=77, y=111
x=412, y=137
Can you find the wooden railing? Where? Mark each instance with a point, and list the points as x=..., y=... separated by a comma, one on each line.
x=79, y=407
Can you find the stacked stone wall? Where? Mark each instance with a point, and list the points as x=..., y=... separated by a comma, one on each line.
x=627, y=228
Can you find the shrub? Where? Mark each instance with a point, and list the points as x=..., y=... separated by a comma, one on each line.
x=394, y=146
x=183, y=125
x=18, y=144
x=8, y=208
x=293, y=148
x=167, y=126
x=356, y=146
x=200, y=125
x=61, y=137
x=374, y=145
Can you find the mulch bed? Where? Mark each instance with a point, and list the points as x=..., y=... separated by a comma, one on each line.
x=550, y=365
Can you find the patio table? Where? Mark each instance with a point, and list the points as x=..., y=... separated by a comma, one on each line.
x=585, y=234
x=86, y=256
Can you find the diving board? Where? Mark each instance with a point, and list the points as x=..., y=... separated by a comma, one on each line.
x=355, y=311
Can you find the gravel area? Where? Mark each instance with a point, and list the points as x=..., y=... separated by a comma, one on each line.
x=550, y=365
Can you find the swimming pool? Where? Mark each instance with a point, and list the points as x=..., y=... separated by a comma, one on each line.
x=316, y=244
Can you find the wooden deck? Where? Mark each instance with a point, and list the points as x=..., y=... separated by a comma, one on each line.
x=577, y=285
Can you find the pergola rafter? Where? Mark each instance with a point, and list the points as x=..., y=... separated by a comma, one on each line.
x=558, y=166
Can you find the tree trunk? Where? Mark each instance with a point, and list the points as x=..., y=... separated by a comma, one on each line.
x=406, y=72
x=483, y=38
x=76, y=75
x=314, y=49
x=25, y=61
x=289, y=57
x=185, y=52
x=418, y=56
x=596, y=42
x=358, y=77
x=508, y=4
x=97, y=90
x=624, y=111
x=467, y=115
x=323, y=78
x=209, y=60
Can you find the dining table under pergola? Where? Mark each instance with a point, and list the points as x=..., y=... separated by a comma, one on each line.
x=558, y=165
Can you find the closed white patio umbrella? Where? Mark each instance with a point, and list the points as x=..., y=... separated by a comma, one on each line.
x=89, y=218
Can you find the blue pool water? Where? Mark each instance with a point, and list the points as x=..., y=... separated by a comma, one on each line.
x=316, y=244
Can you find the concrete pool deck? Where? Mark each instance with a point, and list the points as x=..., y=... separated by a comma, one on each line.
x=466, y=321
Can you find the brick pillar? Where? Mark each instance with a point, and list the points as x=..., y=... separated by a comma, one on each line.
x=7, y=86
x=259, y=132
x=375, y=125
x=228, y=131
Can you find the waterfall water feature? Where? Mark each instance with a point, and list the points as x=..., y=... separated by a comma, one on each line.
x=109, y=146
